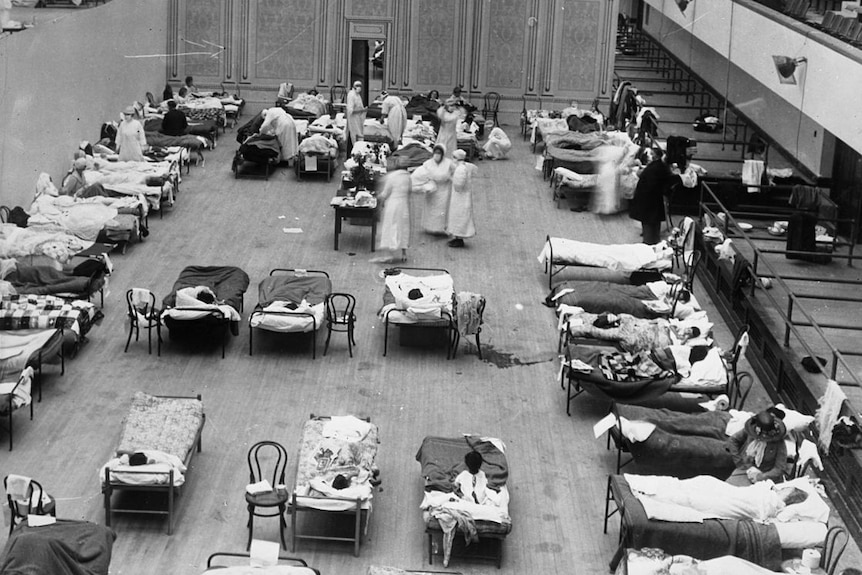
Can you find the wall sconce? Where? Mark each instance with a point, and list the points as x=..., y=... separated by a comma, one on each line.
x=683, y=4
x=786, y=68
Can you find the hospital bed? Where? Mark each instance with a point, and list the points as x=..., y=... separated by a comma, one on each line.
x=81, y=282
x=636, y=379
x=167, y=429
x=225, y=563
x=158, y=182
x=689, y=444
x=330, y=447
x=318, y=155
x=34, y=348
x=67, y=547
x=441, y=460
x=560, y=253
x=659, y=299
x=291, y=301
x=27, y=312
x=22, y=243
x=419, y=298
x=759, y=543
x=188, y=318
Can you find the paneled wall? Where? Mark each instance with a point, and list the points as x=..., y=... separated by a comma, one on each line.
x=557, y=49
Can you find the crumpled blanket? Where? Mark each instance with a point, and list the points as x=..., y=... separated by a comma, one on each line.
x=469, y=320
x=450, y=519
x=318, y=144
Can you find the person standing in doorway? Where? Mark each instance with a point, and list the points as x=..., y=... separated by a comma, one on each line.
x=355, y=115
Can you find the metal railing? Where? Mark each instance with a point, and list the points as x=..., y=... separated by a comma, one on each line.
x=794, y=304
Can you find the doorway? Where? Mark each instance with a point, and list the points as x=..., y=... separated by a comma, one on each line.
x=367, y=63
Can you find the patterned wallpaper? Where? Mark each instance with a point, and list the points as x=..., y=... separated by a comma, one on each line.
x=507, y=20
x=371, y=8
x=203, y=23
x=285, y=40
x=435, y=38
x=579, y=42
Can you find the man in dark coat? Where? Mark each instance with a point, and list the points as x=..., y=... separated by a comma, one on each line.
x=174, y=123
x=656, y=182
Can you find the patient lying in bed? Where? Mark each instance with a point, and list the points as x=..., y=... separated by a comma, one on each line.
x=705, y=497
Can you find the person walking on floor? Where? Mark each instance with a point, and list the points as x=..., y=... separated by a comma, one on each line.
x=434, y=178
x=395, y=219
x=131, y=139
x=459, y=222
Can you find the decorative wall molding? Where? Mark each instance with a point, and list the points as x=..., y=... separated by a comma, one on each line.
x=549, y=48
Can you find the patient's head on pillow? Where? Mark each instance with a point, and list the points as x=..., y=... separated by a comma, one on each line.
x=415, y=293
x=792, y=495
x=473, y=461
x=206, y=295
x=138, y=458
x=340, y=482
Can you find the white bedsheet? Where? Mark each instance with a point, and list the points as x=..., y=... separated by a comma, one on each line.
x=155, y=473
x=705, y=497
x=617, y=257
x=436, y=291
x=283, y=319
x=499, y=513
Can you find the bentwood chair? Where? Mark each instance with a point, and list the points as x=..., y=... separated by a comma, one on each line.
x=833, y=548
x=143, y=313
x=739, y=383
x=492, y=107
x=338, y=99
x=25, y=497
x=340, y=317
x=267, y=460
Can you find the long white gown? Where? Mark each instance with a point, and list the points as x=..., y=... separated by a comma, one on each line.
x=355, y=115
x=280, y=124
x=436, y=181
x=131, y=141
x=459, y=222
x=448, y=134
x=395, y=221
x=396, y=117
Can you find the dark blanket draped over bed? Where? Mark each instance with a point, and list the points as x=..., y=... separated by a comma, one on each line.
x=442, y=459
x=683, y=445
x=64, y=548
x=409, y=156
x=620, y=391
x=228, y=282
x=606, y=297
x=755, y=542
x=42, y=280
x=205, y=128
x=288, y=287
x=260, y=149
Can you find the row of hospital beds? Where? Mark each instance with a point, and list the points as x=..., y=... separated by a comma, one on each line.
x=301, y=301
x=161, y=434
x=672, y=420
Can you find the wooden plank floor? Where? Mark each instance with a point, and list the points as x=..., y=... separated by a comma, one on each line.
x=558, y=470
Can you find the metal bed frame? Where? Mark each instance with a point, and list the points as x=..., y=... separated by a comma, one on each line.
x=171, y=490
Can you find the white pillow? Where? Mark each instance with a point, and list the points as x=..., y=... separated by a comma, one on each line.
x=801, y=534
x=793, y=420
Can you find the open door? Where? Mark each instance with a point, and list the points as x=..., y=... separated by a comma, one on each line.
x=367, y=63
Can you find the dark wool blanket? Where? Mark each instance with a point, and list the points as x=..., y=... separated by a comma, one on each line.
x=64, y=548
